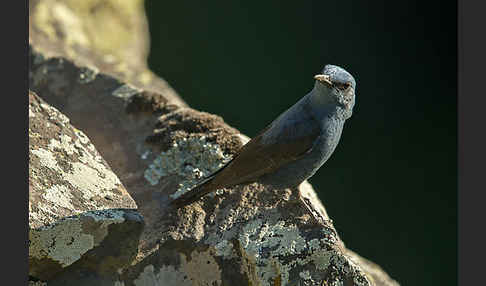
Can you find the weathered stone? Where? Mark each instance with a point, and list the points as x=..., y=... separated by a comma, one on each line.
x=37, y=283
x=247, y=235
x=76, y=203
x=158, y=147
x=104, y=35
x=375, y=273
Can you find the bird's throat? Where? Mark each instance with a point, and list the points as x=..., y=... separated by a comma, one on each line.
x=324, y=104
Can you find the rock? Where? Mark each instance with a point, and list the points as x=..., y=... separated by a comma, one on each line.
x=80, y=214
x=37, y=283
x=158, y=147
x=376, y=275
x=107, y=36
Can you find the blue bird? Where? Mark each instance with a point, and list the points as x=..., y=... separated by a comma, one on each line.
x=295, y=145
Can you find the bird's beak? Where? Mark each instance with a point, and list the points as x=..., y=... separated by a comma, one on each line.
x=323, y=78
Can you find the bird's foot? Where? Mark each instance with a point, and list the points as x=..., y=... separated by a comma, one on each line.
x=314, y=213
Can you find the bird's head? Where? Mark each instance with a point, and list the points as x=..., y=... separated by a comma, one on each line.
x=335, y=85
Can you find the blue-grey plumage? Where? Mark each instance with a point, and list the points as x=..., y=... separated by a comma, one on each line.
x=295, y=145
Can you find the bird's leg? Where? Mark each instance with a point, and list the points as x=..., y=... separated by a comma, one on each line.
x=309, y=207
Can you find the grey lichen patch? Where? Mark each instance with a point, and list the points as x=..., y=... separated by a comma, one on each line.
x=93, y=178
x=47, y=159
x=284, y=240
x=68, y=239
x=64, y=242
x=278, y=248
x=59, y=194
x=166, y=275
x=225, y=249
x=64, y=143
x=190, y=158
x=321, y=259
x=199, y=268
x=66, y=174
x=37, y=283
x=90, y=176
x=345, y=265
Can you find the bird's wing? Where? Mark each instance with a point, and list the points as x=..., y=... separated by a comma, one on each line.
x=261, y=155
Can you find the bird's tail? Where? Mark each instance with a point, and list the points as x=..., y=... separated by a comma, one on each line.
x=194, y=194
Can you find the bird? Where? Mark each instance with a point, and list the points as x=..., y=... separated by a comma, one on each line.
x=293, y=146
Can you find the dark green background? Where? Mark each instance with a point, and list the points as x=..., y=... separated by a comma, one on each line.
x=390, y=186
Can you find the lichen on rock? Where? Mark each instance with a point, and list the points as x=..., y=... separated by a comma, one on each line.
x=67, y=175
x=81, y=218
x=191, y=158
x=74, y=197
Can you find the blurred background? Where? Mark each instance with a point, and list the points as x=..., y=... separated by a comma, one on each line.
x=390, y=186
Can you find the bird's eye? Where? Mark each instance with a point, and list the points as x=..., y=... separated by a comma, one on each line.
x=341, y=86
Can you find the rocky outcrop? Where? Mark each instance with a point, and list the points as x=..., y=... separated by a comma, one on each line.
x=157, y=146
x=105, y=35
x=80, y=214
